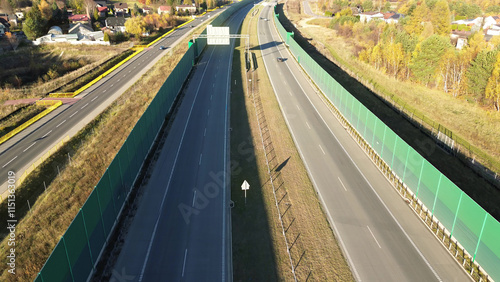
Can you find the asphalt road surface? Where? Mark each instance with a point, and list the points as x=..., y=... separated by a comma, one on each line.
x=181, y=230
x=22, y=150
x=382, y=239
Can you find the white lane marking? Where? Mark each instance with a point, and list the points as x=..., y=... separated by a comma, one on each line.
x=61, y=123
x=199, y=163
x=130, y=71
x=9, y=162
x=170, y=179
x=94, y=98
x=321, y=149
x=111, y=86
x=194, y=198
x=298, y=107
x=373, y=236
x=84, y=106
x=47, y=134
x=135, y=66
x=216, y=74
x=213, y=85
x=211, y=97
x=205, y=133
x=104, y=90
x=342, y=183
x=289, y=92
x=118, y=79
x=29, y=147
x=125, y=74
x=208, y=112
x=308, y=125
x=73, y=114
x=184, y=264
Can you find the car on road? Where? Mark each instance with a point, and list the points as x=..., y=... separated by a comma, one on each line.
x=280, y=59
x=163, y=47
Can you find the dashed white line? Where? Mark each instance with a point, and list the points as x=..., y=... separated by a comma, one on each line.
x=194, y=198
x=94, y=98
x=118, y=80
x=205, y=133
x=104, y=90
x=29, y=147
x=298, y=107
x=61, y=123
x=199, y=163
x=135, y=66
x=211, y=97
x=184, y=264
x=289, y=92
x=46, y=134
x=342, y=183
x=308, y=125
x=84, y=106
x=373, y=236
x=9, y=162
x=73, y=114
x=208, y=112
x=213, y=85
x=321, y=149
x=111, y=86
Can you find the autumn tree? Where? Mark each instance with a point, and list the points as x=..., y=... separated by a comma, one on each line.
x=480, y=71
x=34, y=24
x=441, y=18
x=453, y=67
x=426, y=57
x=135, y=26
x=493, y=86
x=414, y=24
x=45, y=9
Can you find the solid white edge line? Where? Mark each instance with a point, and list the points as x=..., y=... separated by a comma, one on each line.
x=369, y=184
x=171, y=174
x=184, y=264
x=335, y=229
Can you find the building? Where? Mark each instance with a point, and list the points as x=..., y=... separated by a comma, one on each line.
x=79, y=18
x=121, y=9
x=55, y=30
x=3, y=28
x=164, y=10
x=368, y=16
x=147, y=10
x=186, y=8
x=116, y=24
x=102, y=11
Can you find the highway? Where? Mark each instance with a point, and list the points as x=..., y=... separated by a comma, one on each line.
x=19, y=152
x=181, y=229
x=382, y=239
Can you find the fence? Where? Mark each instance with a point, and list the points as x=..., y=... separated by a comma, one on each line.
x=75, y=256
x=476, y=230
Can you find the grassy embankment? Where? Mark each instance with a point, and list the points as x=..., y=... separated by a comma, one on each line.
x=91, y=152
x=259, y=250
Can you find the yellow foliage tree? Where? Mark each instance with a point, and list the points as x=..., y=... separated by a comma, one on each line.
x=419, y=15
x=45, y=9
x=135, y=26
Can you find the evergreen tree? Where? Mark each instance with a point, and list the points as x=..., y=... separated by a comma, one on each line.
x=441, y=19
x=34, y=24
x=493, y=86
x=427, y=56
x=480, y=71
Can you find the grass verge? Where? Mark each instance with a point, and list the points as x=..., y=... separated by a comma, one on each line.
x=91, y=152
x=259, y=249
x=17, y=118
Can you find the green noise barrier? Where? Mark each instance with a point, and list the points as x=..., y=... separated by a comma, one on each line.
x=474, y=228
x=75, y=256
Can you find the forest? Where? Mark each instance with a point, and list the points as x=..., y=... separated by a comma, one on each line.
x=419, y=47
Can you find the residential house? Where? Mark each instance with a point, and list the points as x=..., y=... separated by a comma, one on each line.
x=186, y=8
x=79, y=18
x=12, y=18
x=368, y=16
x=121, y=9
x=103, y=11
x=3, y=28
x=394, y=18
x=164, y=10
x=147, y=10
x=116, y=24
x=101, y=3
x=81, y=30
x=56, y=38
x=493, y=30
x=55, y=30
x=4, y=25
x=78, y=34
